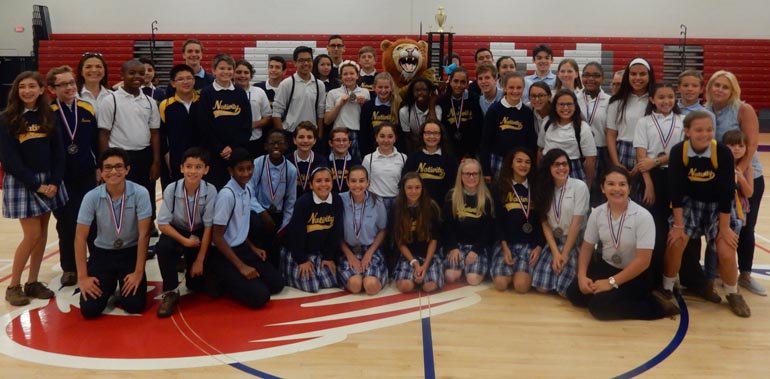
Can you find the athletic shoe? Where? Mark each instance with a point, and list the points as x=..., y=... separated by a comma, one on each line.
x=69, y=278
x=168, y=305
x=738, y=305
x=37, y=290
x=669, y=307
x=752, y=285
x=15, y=296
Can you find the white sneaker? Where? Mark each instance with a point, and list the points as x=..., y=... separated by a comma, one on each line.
x=752, y=285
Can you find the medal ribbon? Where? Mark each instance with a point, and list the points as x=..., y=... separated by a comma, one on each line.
x=191, y=216
x=525, y=210
x=557, y=208
x=664, y=139
x=309, y=165
x=458, y=115
x=616, y=237
x=274, y=191
x=70, y=132
x=340, y=179
x=593, y=111
x=118, y=224
x=357, y=227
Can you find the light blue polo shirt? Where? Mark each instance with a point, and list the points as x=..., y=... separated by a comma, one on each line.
x=232, y=211
x=172, y=209
x=96, y=206
x=375, y=219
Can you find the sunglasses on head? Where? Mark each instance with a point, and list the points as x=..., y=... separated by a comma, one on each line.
x=90, y=54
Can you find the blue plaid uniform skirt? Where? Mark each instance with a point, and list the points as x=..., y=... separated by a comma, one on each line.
x=543, y=275
x=404, y=270
x=495, y=163
x=322, y=277
x=576, y=169
x=703, y=218
x=479, y=267
x=626, y=154
x=520, y=253
x=376, y=268
x=20, y=202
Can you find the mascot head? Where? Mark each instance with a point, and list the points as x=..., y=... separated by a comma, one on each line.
x=404, y=59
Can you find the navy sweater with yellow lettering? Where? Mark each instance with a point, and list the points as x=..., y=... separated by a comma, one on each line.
x=31, y=152
x=224, y=118
x=511, y=218
x=438, y=172
x=504, y=129
x=372, y=116
x=340, y=168
x=420, y=248
x=469, y=227
x=315, y=229
x=699, y=180
x=465, y=140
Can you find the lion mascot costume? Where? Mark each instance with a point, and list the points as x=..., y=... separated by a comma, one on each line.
x=405, y=60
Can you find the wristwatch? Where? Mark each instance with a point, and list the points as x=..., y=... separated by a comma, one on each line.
x=613, y=283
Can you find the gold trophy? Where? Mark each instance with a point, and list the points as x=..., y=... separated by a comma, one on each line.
x=440, y=19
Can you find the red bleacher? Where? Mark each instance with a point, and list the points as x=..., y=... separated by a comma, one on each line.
x=749, y=59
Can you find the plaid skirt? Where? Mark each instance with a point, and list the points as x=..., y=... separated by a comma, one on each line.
x=576, y=169
x=376, y=268
x=520, y=253
x=404, y=270
x=495, y=163
x=701, y=218
x=322, y=277
x=543, y=275
x=602, y=162
x=20, y=202
x=626, y=154
x=479, y=267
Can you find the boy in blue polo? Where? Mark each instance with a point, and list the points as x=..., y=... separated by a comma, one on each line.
x=185, y=219
x=121, y=211
x=240, y=268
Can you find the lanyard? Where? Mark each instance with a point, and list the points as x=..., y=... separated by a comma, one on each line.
x=307, y=172
x=274, y=191
x=557, y=208
x=525, y=210
x=358, y=226
x=117, y=222
x=616, y=236
x=664, y=140
x=191, y=215
x=593, y=111
x=70, y=131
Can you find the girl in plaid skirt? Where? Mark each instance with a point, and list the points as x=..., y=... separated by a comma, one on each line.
x=518, y=227
x=416, y=229
x=563, y=202
x=33, y=159
x=468, y=225
x=362, y=264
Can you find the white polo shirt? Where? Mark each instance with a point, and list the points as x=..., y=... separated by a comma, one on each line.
x=260, y=108
x=648, y=135
x=384, y=172
x=349, y=115
x=573, y=203
x=594, y=111
x=563, y=137
x=130, y=123
x=635, y=107
x=638, y=233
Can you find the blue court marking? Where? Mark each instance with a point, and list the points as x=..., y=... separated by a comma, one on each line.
x=427, y=349
x=252, y=371
x=681, y=332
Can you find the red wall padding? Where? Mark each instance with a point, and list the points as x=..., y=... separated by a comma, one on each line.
x=749, y=59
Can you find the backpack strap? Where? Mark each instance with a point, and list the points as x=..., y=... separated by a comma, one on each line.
x=714, y=159
x=115, y=109
x=288, y=104
x=233, y=211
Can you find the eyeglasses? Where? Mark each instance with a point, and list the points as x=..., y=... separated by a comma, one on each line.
x=565, y=105
x=91, y=54
x=336, y=46
x=592, y=76
x=470, y=174
x=304, y=60
x=66, y=84
x=117, y=167
x=560, y=164
x=540, y=96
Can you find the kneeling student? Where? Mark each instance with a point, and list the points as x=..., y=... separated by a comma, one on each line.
x=121, y=210
x=185, y=219
x=239, y=267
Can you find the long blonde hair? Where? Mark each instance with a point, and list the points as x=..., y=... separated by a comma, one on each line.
x=482, y=193
x=735, y=93
x=395, y=98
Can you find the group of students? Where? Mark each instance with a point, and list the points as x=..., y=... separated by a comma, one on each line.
x=498, y=180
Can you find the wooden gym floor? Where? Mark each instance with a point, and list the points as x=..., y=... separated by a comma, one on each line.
x=460, y=332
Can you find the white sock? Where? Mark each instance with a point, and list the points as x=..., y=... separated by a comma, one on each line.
x=668, y=283
x=731, y=289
